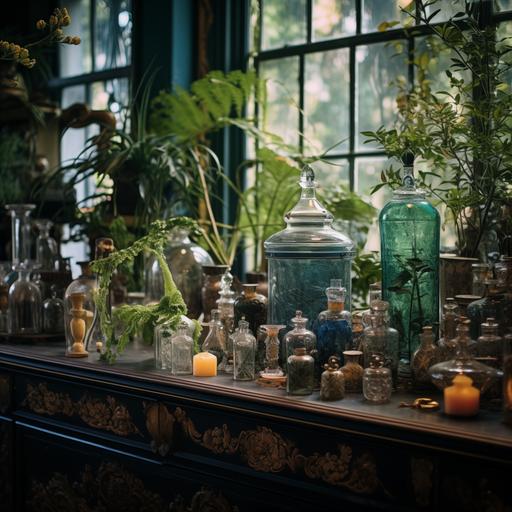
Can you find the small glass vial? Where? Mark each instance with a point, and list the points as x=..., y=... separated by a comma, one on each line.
x=490, y=343
x=47, y=250
x=352, y=371
x=332, y=382
x=162, y=342
x=244, y=353
x=332, y=327
x=299, y=336
x=25, y=306
x=424, y=358
x=182, y=351
x=272, y=345
x=481, y=273
x=447, y=344
x=252, y=306
x=374, y=294
x=377, y=382
x=301, y=373
x=226, y=303
x=215, y=342
x=53, y=313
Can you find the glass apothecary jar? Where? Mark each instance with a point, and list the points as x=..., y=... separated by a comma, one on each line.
x=299, y=336
x=162, y=342
x=490, y=343
x=332, y=382
x=244, y=353
x=301, y=373
x=305, y=256
x=47, y=250
x=252, y=306
x=182, y=351
x=25, y=304
x=377, y=382
x=409, y=234
x=352, y=371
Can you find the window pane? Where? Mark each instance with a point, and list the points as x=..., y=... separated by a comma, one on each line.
x=374, y=12
x=113, y=34
x=284, y=23
x=76, y=60
x=282, y=116
x=377, y=67
x=326, y=100
x=503, y=5
x=448, y=9
x=112, y=95
x=333, y=18
x=331, y=173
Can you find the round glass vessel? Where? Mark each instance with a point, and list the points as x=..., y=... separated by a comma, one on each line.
x=305, y=256
x=409, y=235
x=53, y=313
x=47, y=250
x=25, y=305
x=332, y=382
x=252, y=306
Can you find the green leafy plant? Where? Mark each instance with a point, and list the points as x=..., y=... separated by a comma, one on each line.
x=138, y=318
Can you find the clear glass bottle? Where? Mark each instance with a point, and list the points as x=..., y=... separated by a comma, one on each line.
x=47, y=250
x=301, y=373
x=374, y=294
x=163, y=349
x=182, y=351
x=25, y=305
x=447, y=344
x=409, y=232
x=381, y=339
x=490, y=343
x=272, y=351
x=503, y=271
x=424, y=357
x=95, y=337
x=226, y=307
x=212, y=283
x=244, y=353
x=53, y=313
x=507, y=379
x=215, y=342
x=357, y=331
x=332, y=382
x=252, y=306
x=86, y=285
x=480, y=272
x=298, y=337
x=377, y=382
x=483, y=376
x=305, y=256
x=332, y=328
x=352, y=371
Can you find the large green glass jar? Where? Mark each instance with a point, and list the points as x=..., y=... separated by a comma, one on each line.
x=409, y=235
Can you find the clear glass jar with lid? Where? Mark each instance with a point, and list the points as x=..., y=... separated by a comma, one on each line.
x=305, y=256
x=299, y=336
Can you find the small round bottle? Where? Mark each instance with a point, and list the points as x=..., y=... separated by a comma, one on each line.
x=251, y=305
x=423, y=359
x=215, y=342
x=377, y=382
x=182, y=351
x=244, y=353
x=53, y=313
x=299, y=336
x=332, y=382
x=352, y=371
x=301, y=373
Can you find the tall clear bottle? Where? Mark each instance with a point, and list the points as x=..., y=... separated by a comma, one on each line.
x=299, y=337
x=47, y=250
x=25, y=305
x=446, y=344
x=215, y=342
x=226, y=307
x=95, y=337
x=409, y=234
x=244, y=353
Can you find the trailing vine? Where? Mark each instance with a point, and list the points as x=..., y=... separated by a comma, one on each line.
x=140, y=319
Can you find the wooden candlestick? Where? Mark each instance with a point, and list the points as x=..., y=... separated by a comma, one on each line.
x=78, y=326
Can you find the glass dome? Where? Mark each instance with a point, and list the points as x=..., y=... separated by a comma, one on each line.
x=305, y=256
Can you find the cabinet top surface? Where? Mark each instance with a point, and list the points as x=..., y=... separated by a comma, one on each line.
x=135, y=369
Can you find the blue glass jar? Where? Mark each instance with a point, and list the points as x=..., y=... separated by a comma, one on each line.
x=304, y=257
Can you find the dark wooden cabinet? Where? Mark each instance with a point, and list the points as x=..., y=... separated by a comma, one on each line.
x=78, y=435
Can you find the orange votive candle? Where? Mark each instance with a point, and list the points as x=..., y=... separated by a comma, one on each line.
x=204, y=365
x=461, y=398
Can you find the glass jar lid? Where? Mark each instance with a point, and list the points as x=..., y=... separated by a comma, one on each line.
x=309, y=228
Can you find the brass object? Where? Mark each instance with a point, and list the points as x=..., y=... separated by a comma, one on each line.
x=103, y=414
x=160, y=425
x=421, y=403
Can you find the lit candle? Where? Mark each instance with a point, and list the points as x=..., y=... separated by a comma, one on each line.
x=461, y=398
x=205, y=365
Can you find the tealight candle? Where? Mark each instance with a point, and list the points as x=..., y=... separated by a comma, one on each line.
x=461, y=398
x=204, y=365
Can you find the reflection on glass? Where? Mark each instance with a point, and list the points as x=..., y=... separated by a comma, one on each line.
x=377, y=66
x=283, y=97
x=284, y=23
x=113, y=34
x=76, y=60
x=333, y=18
x=375, y=12
x=327, y=100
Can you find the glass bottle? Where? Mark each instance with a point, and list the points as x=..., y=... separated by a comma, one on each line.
x=299, y=336
x=20, y=236
x=301, y=373
x=47, y=250
x=244, y=353
x=251, y=305
x=226, y=307
x=332, y=327
x=332, y=382
x=409, y=232
x=494, y=304
x=305, y=256
x=162, y=342
x=25, y=306
x=53, y=313
x=377, y=382
x=424, y=357
x=182, y=351
x=272, y=346
x=215, y=342
x=211, y=287
x=86, y=285
x=483, y=376
x=374, y=294
x=503, y=270
x=357, y=331
x=380, y=339
x=480, y=273
x=95, y=338
x=507, y=378
x=447, y=344
x=352, y=371
x=490, y=343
